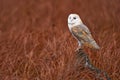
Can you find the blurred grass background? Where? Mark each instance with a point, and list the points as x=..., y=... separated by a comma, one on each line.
x=35, y=42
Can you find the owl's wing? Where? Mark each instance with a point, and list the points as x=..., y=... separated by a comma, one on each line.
x=85, y=28
x=83, y=34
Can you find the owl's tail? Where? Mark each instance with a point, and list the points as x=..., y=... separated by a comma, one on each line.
x=95, y=45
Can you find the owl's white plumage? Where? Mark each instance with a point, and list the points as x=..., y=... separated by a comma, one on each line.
x=81, y=32
x=74, y=20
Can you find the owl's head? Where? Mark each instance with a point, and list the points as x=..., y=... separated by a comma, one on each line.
x=74, y=20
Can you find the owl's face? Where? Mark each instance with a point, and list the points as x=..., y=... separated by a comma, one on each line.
x=74, y=20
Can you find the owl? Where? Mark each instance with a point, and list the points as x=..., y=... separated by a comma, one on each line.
x=81, y=32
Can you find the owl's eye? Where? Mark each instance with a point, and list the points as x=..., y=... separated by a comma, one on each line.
x=74, y=17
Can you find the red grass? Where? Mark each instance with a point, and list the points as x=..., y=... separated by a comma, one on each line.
x=35, y=42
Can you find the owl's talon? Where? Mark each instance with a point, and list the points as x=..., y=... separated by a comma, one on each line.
x=78, y=48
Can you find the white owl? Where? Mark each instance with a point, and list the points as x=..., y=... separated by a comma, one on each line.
x=81, y=32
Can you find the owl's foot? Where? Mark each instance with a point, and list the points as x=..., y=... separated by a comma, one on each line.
x=79, y=48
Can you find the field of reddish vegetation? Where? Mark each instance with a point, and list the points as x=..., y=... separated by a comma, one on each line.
x=35, y=42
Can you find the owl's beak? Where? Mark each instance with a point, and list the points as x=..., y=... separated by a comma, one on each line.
x=71, y=20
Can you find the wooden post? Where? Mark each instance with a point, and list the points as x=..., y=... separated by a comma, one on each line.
x=85, y=61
